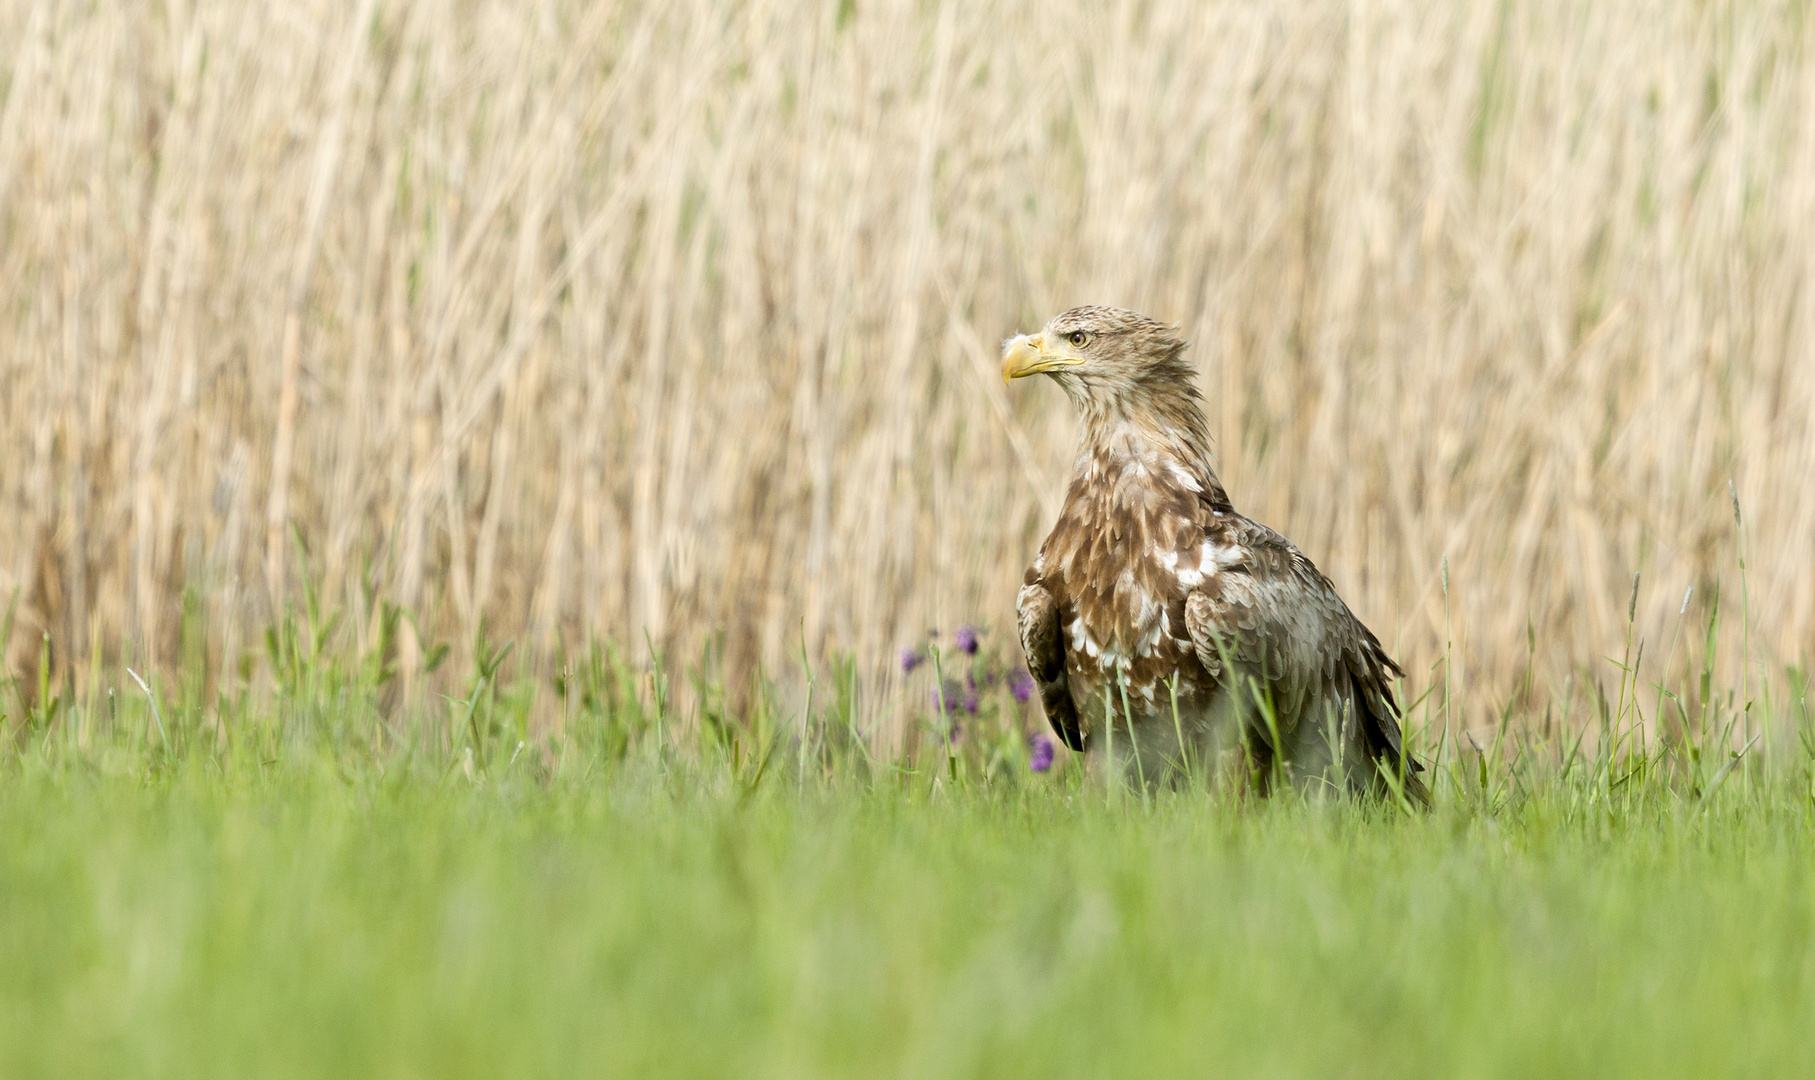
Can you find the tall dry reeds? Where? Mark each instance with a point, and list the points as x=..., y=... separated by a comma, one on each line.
x=682, y=317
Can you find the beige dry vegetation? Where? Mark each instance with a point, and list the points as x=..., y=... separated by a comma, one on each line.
x=597, y=318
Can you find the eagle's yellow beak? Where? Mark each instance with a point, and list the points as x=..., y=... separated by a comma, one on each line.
x=1026, y=355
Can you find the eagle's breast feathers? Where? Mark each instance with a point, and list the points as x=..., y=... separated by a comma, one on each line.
x=1107, y=598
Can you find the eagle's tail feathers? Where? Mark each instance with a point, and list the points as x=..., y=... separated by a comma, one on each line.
x=1380, y=726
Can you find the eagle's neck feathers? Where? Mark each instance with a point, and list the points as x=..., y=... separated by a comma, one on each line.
x=1144, y=441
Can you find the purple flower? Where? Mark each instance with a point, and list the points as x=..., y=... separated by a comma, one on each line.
x=971, y=702
x=948, y=698
x=911, y=659
x=1021, y=684
x=1039, y=751
x=966, y=639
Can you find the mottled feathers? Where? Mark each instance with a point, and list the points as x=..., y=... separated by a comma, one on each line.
x=1151, y=590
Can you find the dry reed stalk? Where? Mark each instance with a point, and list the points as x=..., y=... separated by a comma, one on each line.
x=596, y=319
x=321, y=187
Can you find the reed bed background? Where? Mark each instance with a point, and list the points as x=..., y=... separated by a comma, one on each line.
x=676, y=324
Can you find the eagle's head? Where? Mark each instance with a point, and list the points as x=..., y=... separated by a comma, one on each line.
x=1126, y=374
x=1105, y=358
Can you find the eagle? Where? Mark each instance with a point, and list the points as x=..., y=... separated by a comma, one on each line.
x=1161, y=626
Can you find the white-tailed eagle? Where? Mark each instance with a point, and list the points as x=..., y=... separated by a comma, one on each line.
x=1152, y=587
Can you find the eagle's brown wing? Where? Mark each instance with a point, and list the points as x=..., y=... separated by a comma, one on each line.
x=1272, y=617
x=1044, y=643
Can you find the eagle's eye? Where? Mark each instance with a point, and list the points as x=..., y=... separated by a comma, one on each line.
x=1077, y=338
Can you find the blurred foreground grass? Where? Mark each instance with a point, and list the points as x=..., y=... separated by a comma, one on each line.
x=621, y=907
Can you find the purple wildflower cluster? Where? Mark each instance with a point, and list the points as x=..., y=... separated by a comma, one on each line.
x=1039, y=751
x=970, y=674
x=952, y=697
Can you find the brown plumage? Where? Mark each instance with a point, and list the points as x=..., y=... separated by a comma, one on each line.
x=1150, y=583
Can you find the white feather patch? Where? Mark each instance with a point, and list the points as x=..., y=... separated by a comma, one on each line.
x=1081, y=641
x=1221, y=556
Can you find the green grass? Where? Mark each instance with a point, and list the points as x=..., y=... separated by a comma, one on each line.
x=302, y=882
x=651, y=913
